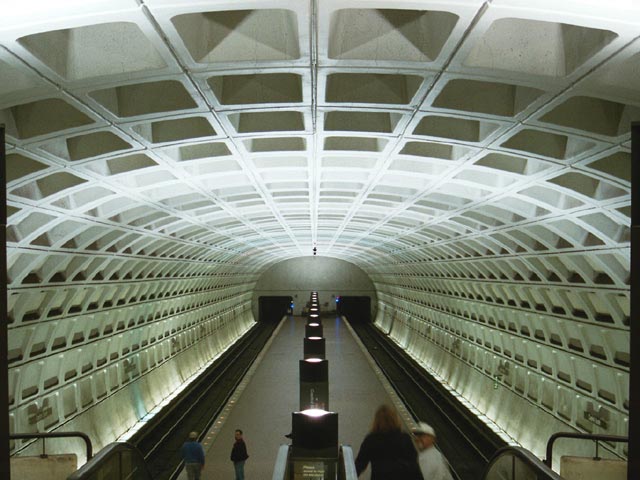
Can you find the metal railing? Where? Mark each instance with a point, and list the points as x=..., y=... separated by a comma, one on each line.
x=581, y=436
x=281, y=469
x=517, y=463
x=116, y=461
x=45, y=435
x=347, y=468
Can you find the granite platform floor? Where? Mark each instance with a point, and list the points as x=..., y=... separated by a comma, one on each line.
x=262, y=404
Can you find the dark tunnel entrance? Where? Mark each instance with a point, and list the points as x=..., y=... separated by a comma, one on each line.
x=272, y=309
x=356, y=309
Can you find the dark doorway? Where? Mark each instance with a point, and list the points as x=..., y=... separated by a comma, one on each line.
x=272, y=309
x=356, y=309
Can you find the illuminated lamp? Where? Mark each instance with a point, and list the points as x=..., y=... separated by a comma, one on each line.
x=313, y=329
x=314, y=318
x=314, y=383
x=314, y=347
x=315, y=434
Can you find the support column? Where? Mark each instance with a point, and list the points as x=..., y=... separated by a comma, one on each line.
x=5, y=469
x=633, y=470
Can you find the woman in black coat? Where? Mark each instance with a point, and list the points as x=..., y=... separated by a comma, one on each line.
x=390, y=451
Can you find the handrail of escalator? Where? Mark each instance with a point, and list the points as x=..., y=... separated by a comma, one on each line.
x=517, y=463
x=582, y=436
x=346, y=467
x=118, y=460
x=282, y=462
x=45, y=435
x=347, y=464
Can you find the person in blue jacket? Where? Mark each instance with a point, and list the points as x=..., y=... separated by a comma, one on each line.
x=193, y=456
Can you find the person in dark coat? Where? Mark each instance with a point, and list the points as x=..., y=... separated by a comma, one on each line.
x=239, y=455
x=390, y=451
x=193, y=456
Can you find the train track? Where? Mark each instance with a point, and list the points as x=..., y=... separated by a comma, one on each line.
x=197, y=407
x=465, y=441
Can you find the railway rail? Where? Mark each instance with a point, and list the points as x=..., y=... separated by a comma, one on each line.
x=197, y=408
x=467, y=443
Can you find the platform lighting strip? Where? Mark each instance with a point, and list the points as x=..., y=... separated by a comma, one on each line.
x=486, y=420
x=167, y=400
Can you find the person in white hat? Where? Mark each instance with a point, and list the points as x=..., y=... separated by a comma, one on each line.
x=432, y=463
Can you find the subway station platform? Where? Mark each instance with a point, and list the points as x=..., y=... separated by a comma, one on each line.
x=263, y=402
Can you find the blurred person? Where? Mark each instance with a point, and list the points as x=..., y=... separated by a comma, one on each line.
x=432, y=463
x=390, y=451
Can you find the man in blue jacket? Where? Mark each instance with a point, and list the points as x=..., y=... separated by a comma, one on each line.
x=193, y=456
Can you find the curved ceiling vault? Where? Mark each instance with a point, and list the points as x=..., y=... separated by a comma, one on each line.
x=471, y=156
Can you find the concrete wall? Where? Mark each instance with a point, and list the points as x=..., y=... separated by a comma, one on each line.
x=580, y=468
x=51, y=467
x=149, y=377
x=504, y=395
x=330, y=277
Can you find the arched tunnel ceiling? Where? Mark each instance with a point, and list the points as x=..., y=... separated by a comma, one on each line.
x=257, y=130
x=467, y=149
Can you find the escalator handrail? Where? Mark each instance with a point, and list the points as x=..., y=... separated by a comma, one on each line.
x=282, y=461
x=105, y=455
x=537, y=466
x=349, y=463
x=45, y=435
x=347, y=468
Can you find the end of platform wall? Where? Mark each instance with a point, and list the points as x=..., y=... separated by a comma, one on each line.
x=330, y=277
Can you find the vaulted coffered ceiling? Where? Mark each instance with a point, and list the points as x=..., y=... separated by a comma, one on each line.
x=470, y=153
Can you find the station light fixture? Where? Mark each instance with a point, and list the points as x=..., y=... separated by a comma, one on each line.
x=315, y=433
x=314, y=347
x=313, y=329
x=314, y=383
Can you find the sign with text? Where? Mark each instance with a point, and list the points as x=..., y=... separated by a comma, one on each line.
x=308, y=470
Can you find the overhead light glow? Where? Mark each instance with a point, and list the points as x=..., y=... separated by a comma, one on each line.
x=314, y=412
